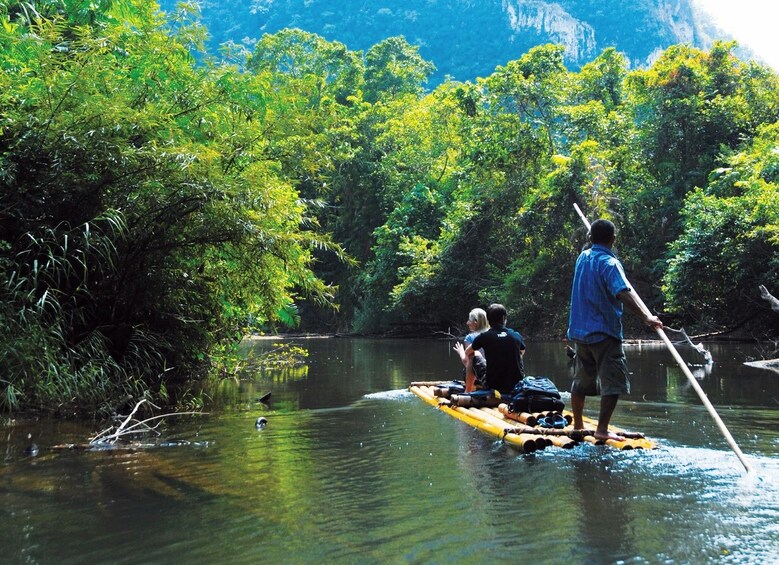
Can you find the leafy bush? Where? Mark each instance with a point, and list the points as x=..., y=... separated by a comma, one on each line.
x=141, y=221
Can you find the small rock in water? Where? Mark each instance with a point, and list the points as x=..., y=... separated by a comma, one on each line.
x=261, y=422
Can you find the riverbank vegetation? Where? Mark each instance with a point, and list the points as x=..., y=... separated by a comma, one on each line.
x=159, y=202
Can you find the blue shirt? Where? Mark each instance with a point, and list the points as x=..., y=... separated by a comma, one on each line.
x=469, y=340
x=596, y=312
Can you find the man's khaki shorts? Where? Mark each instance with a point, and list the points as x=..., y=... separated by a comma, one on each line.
x=601, y=369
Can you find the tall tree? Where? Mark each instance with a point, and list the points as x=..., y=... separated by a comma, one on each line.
x=394, y=67
x=143, y=224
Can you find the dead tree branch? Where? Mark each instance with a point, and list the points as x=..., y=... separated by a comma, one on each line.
x=132, y=427
x=773, y=301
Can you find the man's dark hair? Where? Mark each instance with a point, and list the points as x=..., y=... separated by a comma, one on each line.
x=602, y=232
x=496, y=314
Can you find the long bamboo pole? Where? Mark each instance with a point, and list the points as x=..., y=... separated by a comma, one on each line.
x=686, y=370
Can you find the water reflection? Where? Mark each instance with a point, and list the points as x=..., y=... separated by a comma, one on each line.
x=606, y=498
x=353, y=468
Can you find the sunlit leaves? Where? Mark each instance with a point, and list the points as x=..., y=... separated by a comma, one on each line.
x=731, y=240
x=532, y=88
x=318, y=68
x=211, y=234
x=394, y=67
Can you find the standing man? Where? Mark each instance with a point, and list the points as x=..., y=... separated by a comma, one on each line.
x=600, y=289
x=503, y=350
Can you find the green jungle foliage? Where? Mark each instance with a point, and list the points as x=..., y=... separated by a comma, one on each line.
x=144, y=221
x=158, y=203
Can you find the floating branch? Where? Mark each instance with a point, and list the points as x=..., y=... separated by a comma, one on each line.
x=699, y=348
x=133, y=427
x=770, y=298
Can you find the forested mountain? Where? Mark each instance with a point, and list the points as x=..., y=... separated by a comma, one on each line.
x=159, y=201
x=466, y=39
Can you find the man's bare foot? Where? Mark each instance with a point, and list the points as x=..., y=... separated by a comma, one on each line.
x=608, y=435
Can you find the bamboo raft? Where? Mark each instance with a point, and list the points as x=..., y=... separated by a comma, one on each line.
x=522, y=430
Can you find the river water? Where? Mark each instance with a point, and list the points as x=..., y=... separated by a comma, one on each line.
x=352, y=468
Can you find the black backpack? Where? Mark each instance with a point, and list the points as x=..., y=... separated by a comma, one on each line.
x=535, y=394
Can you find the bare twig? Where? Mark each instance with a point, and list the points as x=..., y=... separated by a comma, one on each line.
x=447, y=334
x=131, y=426
x=772, y=300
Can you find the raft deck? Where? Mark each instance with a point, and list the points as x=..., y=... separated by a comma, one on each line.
x=522, y=430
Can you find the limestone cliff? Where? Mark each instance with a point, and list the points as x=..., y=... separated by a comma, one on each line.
x=469, y=38
x=550, y=20
x=585, y=28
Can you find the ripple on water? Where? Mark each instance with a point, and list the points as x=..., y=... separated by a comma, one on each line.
x=399, y=394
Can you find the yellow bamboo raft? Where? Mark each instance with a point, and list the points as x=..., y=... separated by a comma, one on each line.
x=522, y=430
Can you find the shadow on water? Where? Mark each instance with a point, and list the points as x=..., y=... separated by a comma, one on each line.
x=353, y=468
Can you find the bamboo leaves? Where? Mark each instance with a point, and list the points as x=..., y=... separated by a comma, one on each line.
x=143, y=223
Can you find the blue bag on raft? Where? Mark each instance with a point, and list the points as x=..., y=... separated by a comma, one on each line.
x=536, y=394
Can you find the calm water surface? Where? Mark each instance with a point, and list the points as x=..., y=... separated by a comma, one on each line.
x=351, y=468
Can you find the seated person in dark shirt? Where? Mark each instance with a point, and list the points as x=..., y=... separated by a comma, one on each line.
x=503, y=349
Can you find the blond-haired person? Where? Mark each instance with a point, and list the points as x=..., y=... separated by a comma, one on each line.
x=476, y=365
